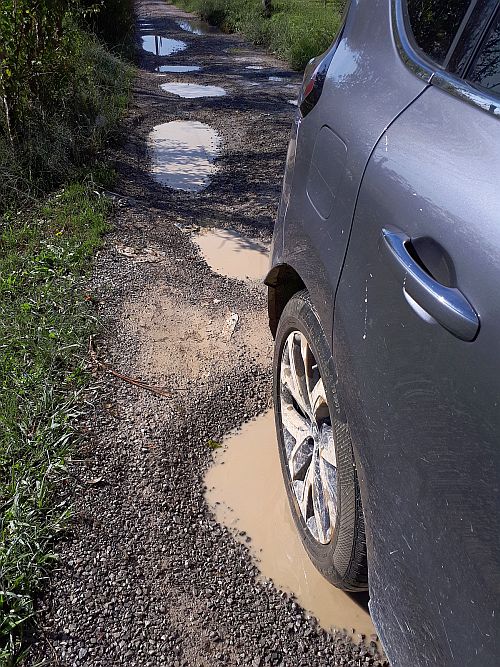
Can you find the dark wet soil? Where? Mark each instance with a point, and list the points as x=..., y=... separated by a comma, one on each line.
x=146, y=576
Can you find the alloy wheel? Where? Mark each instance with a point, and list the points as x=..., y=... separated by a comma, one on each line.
x=308, y=437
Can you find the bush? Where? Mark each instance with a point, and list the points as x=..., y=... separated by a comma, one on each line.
x=61, y=94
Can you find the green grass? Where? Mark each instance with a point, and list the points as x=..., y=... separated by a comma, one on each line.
x=52, y=219
x=45, y=323
x=297, y=30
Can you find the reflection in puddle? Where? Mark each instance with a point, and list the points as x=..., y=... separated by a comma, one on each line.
x=196, y=27
x=183, y=153
x=231, y=254
x=177, y=68
x=191, y=90
x=162, y=46
x=247, y=494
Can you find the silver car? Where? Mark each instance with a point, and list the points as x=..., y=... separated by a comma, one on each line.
x=384, y=300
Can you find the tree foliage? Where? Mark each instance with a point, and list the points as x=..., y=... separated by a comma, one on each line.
x=33, y=46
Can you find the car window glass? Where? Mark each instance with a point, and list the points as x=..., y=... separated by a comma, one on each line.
x=471, y=35
x=434, y=24
x=485, y=71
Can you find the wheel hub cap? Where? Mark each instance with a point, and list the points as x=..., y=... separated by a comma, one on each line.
x=308, y=436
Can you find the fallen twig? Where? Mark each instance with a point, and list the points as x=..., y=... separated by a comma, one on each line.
x=159, y=391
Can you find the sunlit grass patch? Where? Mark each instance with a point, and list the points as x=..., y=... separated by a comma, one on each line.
x=45, y=323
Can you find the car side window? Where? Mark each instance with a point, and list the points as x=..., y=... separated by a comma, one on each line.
x=485, y=71
x=434, y=24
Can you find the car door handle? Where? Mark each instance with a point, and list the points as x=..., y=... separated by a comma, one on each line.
x=446, y=305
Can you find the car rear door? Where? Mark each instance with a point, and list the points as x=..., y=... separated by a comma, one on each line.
x=417, y=346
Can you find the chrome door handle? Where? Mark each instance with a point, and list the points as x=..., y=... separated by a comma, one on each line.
x=446, y=305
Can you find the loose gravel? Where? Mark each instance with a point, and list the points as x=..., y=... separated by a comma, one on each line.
x=146, y=576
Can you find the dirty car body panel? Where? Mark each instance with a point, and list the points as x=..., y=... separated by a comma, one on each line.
x=320, y=187
x=390, y=219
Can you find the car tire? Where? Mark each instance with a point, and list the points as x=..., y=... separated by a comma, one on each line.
x=318, y=465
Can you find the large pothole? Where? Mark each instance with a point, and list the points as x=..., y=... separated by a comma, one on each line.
x=183, y=154
x=231, y=254
x=246, y=491
x=196, y=27
x=177, y=69
x=192, y=90
x=162, y=46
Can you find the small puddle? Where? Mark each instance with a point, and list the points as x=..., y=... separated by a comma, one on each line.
x=231, y=254
x=254, y=67
x=192, y=90
x=276, y=78
x=196, y=27
x=293, y=102
x=183, y=154
x=162, y=46
x=246, y=491
x=179, y=69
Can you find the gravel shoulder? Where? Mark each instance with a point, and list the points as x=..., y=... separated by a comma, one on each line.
x=146, y=576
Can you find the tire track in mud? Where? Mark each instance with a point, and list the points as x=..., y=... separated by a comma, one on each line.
x=146, y=575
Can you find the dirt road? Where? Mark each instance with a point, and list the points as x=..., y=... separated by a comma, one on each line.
x=147, y=576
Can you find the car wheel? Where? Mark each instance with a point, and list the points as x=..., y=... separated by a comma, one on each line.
x=315, y=448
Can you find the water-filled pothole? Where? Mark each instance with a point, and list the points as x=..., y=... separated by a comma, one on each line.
x=162, y=46
x=231, y=254
x=192, y=90
x=183, y=154
x=196, y=27
x=177, y=69
x=246, y=491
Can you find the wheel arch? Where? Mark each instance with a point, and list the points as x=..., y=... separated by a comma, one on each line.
x=282, y=282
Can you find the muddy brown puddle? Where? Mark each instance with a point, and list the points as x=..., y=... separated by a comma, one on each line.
x=246, y=491
x=231, y=254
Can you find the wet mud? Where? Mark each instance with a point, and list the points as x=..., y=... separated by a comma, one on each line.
x=246, y=491
x=232, y=254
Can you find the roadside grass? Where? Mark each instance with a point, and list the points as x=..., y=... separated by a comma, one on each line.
x=52, y=219
x=58, y=137
x=296, y=30
x=45, y=323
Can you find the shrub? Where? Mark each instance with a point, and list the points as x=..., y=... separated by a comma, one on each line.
x=61, y=94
